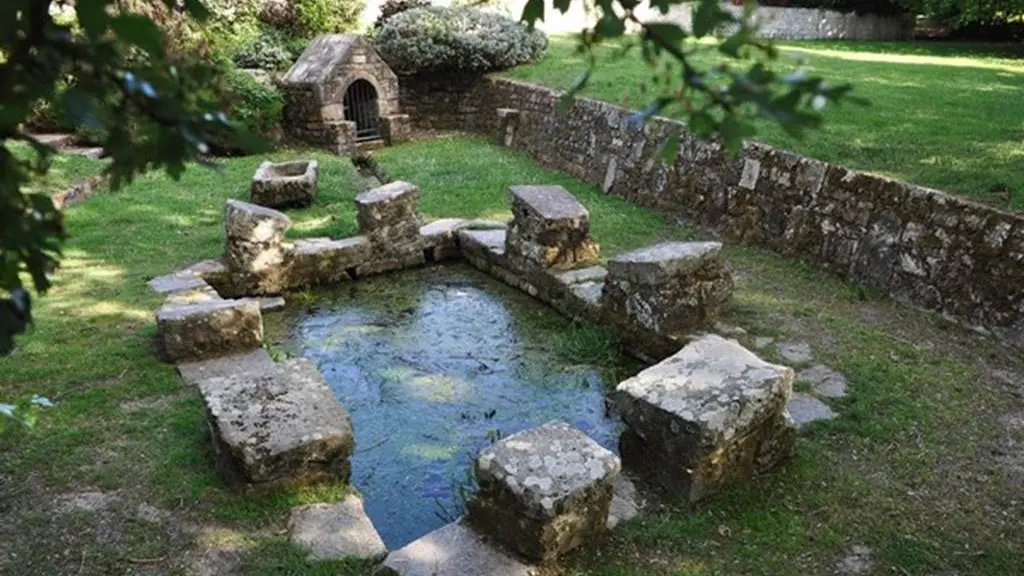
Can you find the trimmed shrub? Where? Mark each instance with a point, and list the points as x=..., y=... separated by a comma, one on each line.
x=393, y=7
x=437, y=39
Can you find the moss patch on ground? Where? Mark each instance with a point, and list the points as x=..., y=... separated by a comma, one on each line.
x=118, y=477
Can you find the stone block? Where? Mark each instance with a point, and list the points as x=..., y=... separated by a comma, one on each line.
x=336, y=530
x=255, y=360
x=709, y=416
x=439, y=238
x=256, y=253
x=207, y=329
x=543, y=491
x=286, y=184
x=278, y=427
x=326, y=261
x=390, y=214
x=483, y=248
x=669, y=288
x=396, y=128
x=452, y=550
x=549, y=228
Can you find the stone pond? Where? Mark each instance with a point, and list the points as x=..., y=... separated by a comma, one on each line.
x=434, y=365
x=439, y=394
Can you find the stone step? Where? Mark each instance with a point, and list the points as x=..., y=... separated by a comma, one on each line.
x=452, y=550
x=208, y=329
x=257, y=360
x=337, y=530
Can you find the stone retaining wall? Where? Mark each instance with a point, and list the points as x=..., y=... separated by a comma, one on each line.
x=922, y=246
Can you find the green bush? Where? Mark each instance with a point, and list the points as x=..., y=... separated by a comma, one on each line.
x=256, y=106
x=439, y=39
x=270, y=51
x=392, y=7
x=308, y=18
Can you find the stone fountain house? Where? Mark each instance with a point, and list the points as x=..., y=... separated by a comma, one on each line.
x=342, y=96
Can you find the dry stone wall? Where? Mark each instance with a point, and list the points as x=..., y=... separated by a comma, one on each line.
x=922, y=246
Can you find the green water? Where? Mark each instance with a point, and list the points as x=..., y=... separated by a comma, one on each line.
x=434, y=364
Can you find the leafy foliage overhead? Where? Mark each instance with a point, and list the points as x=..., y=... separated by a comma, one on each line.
x=147, y=109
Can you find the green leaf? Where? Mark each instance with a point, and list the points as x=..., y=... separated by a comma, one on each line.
x=669, y=34
x=610, y=26
x=664, y=6
x=533, y=11
x=702, y=124
x=733, y=132
x=563, y=5
x=140, y=31
x=197, y=9
x=669, y=149
x=92, y=16
x=707, y=16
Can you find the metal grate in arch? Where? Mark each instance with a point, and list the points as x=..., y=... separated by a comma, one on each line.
x=361, y=108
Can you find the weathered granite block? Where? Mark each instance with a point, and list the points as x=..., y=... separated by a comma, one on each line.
x=278, y=427
x=337, y=530
x=325, y=261
x=452, y=550
x=670, y=288
x=439, y=238
x=286, y=184
x=709, y=416
x=396, y=128
x=209, y=328
x=256, y=252
x=543, y=491
x=390, y=214
x=549, y=228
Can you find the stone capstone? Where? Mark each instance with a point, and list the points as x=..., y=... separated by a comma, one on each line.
x=671, y=288
x=286, y=184
x=440, y=238
x=711, y=415
x=333, y=531
x=281, y=426
x=452, y=550
x=543, y=491
x=549, y=228
x=390, y=214
x=210, y=328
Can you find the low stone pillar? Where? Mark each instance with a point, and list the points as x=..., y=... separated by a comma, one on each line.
x=669, y=288
x=389, y=215
x=286, y=184
x=279, y=426
x=256, y=253
x=712, y=415
x=396, y=128
x=543, y=491
x=207, y=327
x=549, y=229
x=508, y=123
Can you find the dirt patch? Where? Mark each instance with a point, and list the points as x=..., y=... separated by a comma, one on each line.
x=86, y=501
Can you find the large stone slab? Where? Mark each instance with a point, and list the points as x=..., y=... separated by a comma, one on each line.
x=439, y=238
x=336, y=530
x=671, y=288
x=549, y=228
x=711, y=415
x=210, y=328
x=278, y=427
x=452, y=550
x=285, y=184
x=255, y=360
x=543, y=491
x=390, y=214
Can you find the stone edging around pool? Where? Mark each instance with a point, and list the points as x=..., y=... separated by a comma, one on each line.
x=709, y=414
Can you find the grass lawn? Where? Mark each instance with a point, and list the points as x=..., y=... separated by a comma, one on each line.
x=118, y=477
x=943, y=116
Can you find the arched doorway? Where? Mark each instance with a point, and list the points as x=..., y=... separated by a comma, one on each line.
x=361, y=108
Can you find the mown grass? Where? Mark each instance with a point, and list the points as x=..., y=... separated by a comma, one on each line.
x=944, y=116
x=907, y=470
